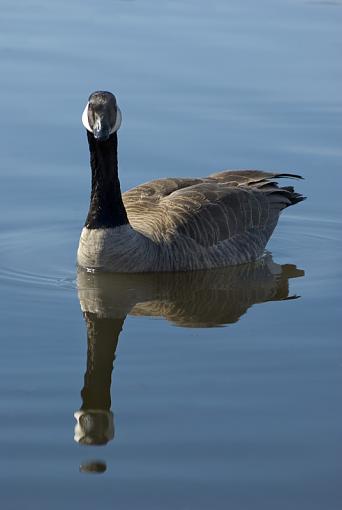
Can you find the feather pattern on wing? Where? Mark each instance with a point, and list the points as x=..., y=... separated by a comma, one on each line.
x=226, y=217
x=182, y=224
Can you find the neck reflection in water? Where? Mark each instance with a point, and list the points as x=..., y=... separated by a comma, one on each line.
x=192, y=299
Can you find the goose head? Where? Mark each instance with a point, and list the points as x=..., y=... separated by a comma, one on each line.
x=101, y=116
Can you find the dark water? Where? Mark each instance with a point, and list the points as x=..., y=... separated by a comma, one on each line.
x=196, y=416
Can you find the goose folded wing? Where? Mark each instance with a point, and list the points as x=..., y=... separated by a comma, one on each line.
x=212, y=212
x=209, y=210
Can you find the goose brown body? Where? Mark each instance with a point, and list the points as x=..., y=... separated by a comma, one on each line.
x=223, y=219
x=181, y=224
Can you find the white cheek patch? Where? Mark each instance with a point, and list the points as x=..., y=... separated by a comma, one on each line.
x=85, y=120
x=115, y=128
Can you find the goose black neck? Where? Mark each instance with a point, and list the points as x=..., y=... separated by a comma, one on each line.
x=106, y=206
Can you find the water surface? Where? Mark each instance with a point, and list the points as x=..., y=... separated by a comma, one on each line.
x=225, y=391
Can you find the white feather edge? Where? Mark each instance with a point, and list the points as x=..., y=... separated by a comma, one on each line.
x=117, y=124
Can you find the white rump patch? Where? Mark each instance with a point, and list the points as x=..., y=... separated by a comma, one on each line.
x=117, y=124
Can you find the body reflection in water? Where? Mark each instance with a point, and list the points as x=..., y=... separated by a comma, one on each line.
x=191, y=299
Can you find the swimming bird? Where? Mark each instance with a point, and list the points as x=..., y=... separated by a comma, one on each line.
x=172, y=224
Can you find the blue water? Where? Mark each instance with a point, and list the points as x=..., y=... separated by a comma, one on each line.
x=225, y=393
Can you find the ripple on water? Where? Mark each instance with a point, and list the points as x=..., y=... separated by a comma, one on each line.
x=39, y=257
x=45, y=257
x=301, y=237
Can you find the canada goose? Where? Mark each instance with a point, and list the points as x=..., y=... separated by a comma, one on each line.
x=174, y=224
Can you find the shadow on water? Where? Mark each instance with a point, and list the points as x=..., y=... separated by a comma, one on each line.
x=194, y=299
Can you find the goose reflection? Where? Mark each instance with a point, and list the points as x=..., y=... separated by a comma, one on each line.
x=95, y=423
x=191, y=299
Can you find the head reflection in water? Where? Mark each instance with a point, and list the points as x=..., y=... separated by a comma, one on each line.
x=190, y=299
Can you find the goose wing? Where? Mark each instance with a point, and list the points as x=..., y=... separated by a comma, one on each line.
x=212, y=209
x=146, y=205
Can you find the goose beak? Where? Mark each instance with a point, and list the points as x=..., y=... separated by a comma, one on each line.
x=101, y=131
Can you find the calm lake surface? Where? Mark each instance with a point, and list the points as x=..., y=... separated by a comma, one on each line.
x=226, y=387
